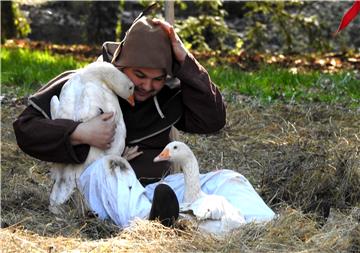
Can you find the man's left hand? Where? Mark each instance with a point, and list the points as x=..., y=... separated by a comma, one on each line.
x=131, y=152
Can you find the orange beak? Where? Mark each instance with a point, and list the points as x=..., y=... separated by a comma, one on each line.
x=163, y=156
x=131, y=100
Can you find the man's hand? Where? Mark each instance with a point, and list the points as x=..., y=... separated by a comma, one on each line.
x=177, y=45
x=98, y=132
x=131, y=152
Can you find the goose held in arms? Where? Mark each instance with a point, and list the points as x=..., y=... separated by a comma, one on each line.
x=88, y=93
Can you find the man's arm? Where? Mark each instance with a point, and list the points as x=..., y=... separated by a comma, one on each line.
x=204, y=106
x=46, y=139
x=62, y=140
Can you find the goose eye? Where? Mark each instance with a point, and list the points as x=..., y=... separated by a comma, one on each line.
x=175, y=147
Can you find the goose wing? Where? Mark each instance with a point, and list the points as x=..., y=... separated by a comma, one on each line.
x=217, y=215
x=214, y=207
x=208, y=207
x=78, y=100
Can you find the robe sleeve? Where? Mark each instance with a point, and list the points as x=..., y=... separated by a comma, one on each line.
x=204, y=108
x=46, y=139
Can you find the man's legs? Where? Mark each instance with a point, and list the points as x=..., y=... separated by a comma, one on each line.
x=112, y=190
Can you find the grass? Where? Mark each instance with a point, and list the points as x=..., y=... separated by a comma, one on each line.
x=24, y=71
x=271, y=83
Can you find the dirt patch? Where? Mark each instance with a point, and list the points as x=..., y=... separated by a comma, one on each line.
x=303, y=160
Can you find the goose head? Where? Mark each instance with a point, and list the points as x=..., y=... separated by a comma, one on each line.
x=114, y=79
x=121, y=85
x=176, y=152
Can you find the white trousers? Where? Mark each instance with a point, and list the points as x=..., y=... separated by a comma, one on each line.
x=118, y=195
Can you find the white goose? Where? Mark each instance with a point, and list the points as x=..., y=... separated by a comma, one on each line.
x=88, y=93
x=215, y=213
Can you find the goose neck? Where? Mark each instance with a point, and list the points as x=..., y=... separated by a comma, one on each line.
x=192, y=180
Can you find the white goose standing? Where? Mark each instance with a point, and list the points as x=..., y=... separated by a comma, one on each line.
x=88, y=93
x=215, y=213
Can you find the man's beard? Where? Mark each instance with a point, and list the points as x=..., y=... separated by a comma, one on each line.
x=150, y=93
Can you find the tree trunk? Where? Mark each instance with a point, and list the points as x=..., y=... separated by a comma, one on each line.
x=169, y=12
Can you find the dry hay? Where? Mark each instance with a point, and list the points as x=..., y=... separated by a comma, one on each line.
x=303, y=160
x=143, y=236
x=291, y=232
x=306, y=156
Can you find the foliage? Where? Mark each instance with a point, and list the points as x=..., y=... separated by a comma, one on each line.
x=23, y=71
x=287, y=22
x=281, y=25
x=208, y=32
x=21, y=24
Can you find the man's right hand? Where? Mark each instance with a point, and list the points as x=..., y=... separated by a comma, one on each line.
x=98, y=132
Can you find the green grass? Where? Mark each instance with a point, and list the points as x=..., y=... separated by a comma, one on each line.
x=272, y=83
x=24, y=71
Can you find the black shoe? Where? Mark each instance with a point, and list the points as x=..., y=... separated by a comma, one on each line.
x=165, y=205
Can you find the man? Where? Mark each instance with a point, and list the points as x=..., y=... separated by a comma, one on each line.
x=150, y=55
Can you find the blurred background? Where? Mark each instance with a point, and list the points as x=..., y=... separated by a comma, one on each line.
x=290, y=27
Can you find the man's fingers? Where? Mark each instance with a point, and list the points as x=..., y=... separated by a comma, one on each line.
x=132, y=149
x=173, y=36
x=133, y=155
x=164, y=25
x=131, y=152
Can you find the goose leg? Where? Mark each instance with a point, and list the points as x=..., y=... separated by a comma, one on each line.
x=60, y=193
x=64, y=186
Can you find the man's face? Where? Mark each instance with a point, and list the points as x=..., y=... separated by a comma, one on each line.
x=148, y=81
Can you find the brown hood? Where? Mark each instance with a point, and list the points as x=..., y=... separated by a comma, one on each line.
x=145, y=45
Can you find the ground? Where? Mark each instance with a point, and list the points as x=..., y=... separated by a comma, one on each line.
x=302, y=159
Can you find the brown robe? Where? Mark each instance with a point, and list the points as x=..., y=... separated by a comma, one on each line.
x=196, y=106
